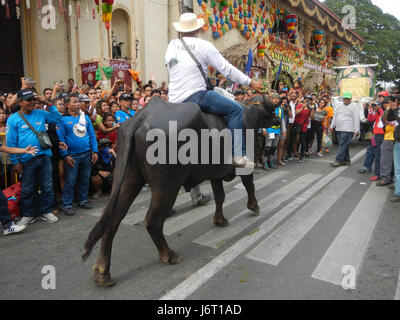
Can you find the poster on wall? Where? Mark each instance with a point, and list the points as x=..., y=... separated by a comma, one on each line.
x=89, y=73
x=121, y=72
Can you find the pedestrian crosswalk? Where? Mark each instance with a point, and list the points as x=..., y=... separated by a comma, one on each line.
x=290, y=209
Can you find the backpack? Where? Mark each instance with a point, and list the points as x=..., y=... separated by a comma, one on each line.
x=13, y=195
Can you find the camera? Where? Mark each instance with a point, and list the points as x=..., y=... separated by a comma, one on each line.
x=30, y=82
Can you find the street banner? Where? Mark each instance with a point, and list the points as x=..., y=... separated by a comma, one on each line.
x=88, y=71
x=121, y=71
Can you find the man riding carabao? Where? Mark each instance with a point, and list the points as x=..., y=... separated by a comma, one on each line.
x=187, y=60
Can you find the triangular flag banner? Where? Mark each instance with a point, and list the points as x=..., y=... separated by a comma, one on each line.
x=134, y=74
x=108, y=71
x=98, y=74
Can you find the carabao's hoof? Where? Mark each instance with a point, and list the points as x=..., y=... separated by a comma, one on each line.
x=221, y=223
x=254, y=207
x=102, y=280
x=171, y=257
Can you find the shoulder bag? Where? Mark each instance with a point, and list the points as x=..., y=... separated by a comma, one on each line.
x=42, y=136
x=209, y=84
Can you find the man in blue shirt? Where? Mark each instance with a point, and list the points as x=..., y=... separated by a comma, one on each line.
x=126, y=112
x=35, y=170
x=76, y=131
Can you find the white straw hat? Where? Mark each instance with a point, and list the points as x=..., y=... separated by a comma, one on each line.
x=188, y=22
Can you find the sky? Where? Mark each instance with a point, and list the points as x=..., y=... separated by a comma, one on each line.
x=387, y=6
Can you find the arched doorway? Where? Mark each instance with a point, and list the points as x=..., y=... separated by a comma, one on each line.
x=121, y=32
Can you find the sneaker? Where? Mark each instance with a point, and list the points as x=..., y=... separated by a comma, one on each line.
x=266, y=167
x=85, y=205
x=335, y=164
x=242, y=162
x=319, y=154
x=300, y=160
x=13, y=228
x=203, y=200
x=69, y=211
x=49, y=217
x=383, y=183
x=289, y=158
x=374, y=178
x=363, y=170
x=395, y=198
x=25, y=221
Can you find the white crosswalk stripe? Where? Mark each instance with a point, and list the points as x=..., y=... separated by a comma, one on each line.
x=350, y=245
x=275, y=247
x=216, y=237
x=201, y=276
x=397, y=295
x=182, y=221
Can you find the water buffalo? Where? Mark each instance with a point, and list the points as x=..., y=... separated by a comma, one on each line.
x=165, y=180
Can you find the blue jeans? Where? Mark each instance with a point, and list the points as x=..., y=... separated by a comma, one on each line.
x=396, y=158
x=378, y=141
x=5, y=217
x=77, y=178
x=213, y=102
x=344, y=139
x=37, y=172
x=369, y=157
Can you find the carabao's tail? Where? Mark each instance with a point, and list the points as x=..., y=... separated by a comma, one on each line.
x=125, y=148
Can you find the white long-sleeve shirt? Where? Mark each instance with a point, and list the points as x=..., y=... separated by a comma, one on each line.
x=346, y=118
x=184, y=75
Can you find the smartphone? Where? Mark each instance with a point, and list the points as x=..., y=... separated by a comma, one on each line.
x=30, y=82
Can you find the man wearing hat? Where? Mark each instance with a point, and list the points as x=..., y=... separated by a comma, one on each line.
x=346, y=121
x=34, y=170
x=188, y=84
x=126, y=112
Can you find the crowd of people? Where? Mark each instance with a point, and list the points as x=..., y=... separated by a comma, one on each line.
x=74, y=162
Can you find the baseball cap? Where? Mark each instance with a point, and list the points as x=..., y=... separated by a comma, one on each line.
x=307, y=96
x=347, y=95
x=104, y=141
x=384, y=94
x=25, y=94
x=83, y=98
x=125, y=96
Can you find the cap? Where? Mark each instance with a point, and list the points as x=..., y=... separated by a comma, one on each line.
x=347, y=95
x=125, y=96
x=83, y=98
x=25, y=94
x=275, y=96
x=307, y=96
x=384, y=94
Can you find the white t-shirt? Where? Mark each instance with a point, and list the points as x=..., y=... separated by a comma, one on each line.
x=185, y=77
x=293, y=108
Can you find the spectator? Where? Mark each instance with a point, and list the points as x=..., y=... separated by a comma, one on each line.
x=114, y=108
x=287, y=113
x=102, y=170
x=71, y=84
x=8, y=225
x=164, y=95
x=137, y=94
x=375, y=115
x=77, y=132
x=108, y=123
x=317, y=124
x=147, y=93
x=84, y=101
x=386, y=165
x=273, y=134
x=35, y=171
x=239, y=95
x=328, y=118
x=47, y=93
x=155, y=93
x=303, y=113
x=292, y=137
x=126, y=112
x=346, y=120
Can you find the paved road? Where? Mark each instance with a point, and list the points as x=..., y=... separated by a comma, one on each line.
x=320, y=229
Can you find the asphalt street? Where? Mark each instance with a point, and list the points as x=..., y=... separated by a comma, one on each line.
x=323, y=233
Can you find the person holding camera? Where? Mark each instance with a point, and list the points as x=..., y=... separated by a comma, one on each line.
x=28, y=127
x=287, y=114
x=346, y=121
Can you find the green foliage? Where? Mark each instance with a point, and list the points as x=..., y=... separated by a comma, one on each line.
x=381, y=33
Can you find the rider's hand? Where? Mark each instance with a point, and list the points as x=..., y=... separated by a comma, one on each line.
x=70, y=161
x=257, y=86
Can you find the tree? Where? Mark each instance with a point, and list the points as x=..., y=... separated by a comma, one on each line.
x=381, y=33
